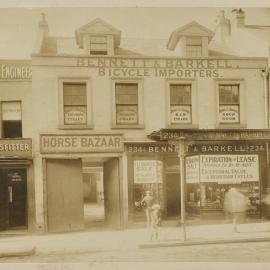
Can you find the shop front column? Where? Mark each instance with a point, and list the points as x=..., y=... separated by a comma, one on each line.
x=39, y=198
x=181, y=155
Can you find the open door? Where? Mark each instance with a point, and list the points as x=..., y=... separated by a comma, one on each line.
x=112, y=194
x=64, y=195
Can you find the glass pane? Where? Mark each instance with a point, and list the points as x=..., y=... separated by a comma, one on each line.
x=126, y=114
x=126, y=93
x=75, y=115
x=180, y=94
x=11, y=110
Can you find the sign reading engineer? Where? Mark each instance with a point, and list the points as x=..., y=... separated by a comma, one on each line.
x=81, y=143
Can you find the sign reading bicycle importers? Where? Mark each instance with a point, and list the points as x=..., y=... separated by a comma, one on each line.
x=81, y=143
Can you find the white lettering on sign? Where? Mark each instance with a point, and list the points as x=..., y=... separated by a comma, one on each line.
x=229, y=168
x=81, y=143
x=180, y=114
x=228, y=114
x=15, y=72
x=148, y=171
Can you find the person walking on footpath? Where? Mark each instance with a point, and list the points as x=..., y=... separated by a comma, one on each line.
x=147, y=203
x=236, y=204
x=155, y=222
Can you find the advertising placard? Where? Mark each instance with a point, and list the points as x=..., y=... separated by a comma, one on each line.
x=228, y=114
x=192, y=169
x=148, y=171
x=180, y=114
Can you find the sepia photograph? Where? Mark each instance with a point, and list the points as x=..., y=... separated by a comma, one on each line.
x=134, y=136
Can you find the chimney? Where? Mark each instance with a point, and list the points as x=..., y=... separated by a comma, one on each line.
x=43, y=31
x=238, y=17
x=223, y=26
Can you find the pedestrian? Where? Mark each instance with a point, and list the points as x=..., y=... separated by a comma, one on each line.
x=236, y=204
x=147, y=203
x=155, y=221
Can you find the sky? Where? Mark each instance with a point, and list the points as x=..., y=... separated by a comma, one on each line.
x=19, y=26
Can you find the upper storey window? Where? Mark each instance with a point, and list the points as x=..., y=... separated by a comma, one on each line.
x=194, y=47
x=98, y=38
x=191, y=40
x=98, y=45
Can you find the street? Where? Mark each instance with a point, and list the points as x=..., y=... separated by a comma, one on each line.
x=243, y=252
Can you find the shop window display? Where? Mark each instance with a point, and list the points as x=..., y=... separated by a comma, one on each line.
x=210, y=197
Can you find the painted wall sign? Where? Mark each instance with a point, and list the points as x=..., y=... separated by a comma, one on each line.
x=126, y=114
x=16, y=148
x=148, y=171
x=148, y=148
x=229, y=114
x=81, y=143
x=180, y=114
x=15, y=71
x=219, y=135
x=226, y=169
x=74, y=115
x=162, y=67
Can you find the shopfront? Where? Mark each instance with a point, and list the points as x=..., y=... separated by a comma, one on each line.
x=216, y=160
x=153, y=167
x=69, y=162
x=16, y=184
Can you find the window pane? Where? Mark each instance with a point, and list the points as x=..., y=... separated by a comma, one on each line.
x=194, y=41
x=229, y=94
x=12, y=129
x=180, y=94
x=180, y=114
x=11, y=110
x=229, y=114
x=75, y=115
x=127, y=114
x=74, y=94
x=126, y=93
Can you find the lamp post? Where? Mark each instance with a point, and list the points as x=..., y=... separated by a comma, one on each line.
x=181, y=155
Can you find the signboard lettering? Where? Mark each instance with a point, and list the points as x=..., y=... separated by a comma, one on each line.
x=223, y=169
x=180, y=114
x=75, y=115
x=228, y=114
x=16, y=148
x=81, y=143
x=15, y=72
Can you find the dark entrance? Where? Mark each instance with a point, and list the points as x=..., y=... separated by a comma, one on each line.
x=173, y=194
x=13, y=198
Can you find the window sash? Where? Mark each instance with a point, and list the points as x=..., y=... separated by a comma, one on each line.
x=180, y=94
x=74, y=94
x=229, y=94
x=126, y=93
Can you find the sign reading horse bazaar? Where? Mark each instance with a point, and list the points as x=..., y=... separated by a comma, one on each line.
x=81, y=143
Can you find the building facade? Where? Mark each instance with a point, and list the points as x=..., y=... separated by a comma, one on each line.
x=105, y=123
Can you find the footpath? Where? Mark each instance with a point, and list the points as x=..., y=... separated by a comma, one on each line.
x=112, y=240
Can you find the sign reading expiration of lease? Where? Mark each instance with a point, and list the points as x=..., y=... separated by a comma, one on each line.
x=81, y=143
x=223, y=169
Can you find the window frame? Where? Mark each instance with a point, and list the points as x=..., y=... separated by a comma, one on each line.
x=1, y=117
x=98, y=52
x=193, y=104
x=193, y=44
x=241, y=103
x=89, y=114
x=139, y=82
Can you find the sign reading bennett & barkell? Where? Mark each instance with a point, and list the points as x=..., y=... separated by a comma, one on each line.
x=16, y=148
x=214, y=134
x=81, y=143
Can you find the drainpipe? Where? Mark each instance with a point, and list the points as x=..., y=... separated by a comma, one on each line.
x=265, y=75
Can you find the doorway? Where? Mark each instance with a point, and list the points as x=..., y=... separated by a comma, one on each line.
x=83, y=195
x=173, y=194
x=13, y=197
